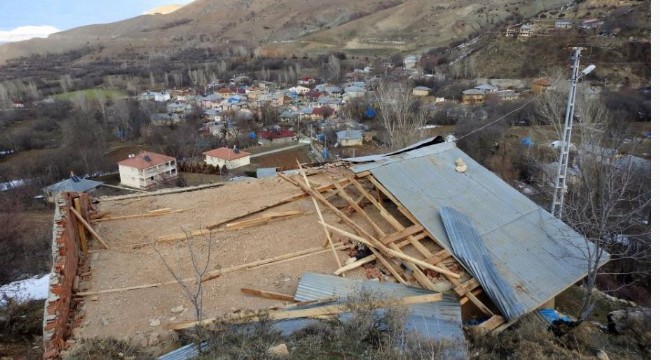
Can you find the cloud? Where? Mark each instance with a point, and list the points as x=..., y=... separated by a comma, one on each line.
x=27, y=32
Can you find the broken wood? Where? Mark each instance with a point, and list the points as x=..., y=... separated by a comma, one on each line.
x=216, y=273
x=88, y=227
x=268, y=294
x=328, y=240
x=356, y=264
x=266, y=207
x=332, y=309
x=153, y=213
x=402, y=234
x=394, y=253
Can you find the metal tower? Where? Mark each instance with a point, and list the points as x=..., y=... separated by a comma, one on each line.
x=560, y=181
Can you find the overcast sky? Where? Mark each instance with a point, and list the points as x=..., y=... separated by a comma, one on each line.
x=21, y=19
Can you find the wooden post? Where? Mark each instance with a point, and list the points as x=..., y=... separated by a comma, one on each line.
x=89, y=227
x=81, y=228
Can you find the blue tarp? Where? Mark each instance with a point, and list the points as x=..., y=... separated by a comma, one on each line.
x=552, y=315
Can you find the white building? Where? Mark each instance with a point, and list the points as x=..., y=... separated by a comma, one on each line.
x=232, y=158
x=146, y=170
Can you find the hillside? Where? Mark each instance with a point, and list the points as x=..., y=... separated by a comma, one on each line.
x=303, y=25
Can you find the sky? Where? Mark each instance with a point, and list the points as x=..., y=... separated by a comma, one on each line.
x=24, y=19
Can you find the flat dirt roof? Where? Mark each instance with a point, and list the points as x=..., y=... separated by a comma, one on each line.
x=133, y=259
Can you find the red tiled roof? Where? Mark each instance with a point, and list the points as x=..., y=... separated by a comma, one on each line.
x=139, y=161
x=277, y=134
x=226, y=153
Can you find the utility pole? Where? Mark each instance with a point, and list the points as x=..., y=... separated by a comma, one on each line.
x=562, y=171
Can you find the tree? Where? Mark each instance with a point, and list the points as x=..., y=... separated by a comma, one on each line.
x=401, y=114
x=609, y=201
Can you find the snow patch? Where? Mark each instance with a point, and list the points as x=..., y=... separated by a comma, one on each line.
x=35, y=288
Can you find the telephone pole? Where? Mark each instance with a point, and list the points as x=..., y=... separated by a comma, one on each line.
x=560, y=181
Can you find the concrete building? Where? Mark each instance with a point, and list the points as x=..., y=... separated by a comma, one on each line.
x=224, y=156
x=146, y=170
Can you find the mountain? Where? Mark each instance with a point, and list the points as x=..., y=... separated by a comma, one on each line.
x=163, y=10
x=285, y=27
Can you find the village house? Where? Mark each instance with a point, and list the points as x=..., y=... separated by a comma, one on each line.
x=72, y=184
x=306, y=80
x=563, y=24
x=281, y=136
x=421, y=91
x=526, y=30
x=507, y=95
x=513, y=30
x=473, y=96
x=410, y=62
x=224, y=156
x=487, y=88
x=591, y=23
x=350, y=138
x=146, y=170
x=541, y=85
x=158, y=96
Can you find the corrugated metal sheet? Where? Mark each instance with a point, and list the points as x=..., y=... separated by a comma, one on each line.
x=378, y=157
x=468, y=247
x=189, y=351
x=534, y=252
x=438, y=321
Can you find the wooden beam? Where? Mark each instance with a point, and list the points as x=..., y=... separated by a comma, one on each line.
x=154, y=213
x=268, y=294
x=88, y=227
x=242, y=224
x=492, y=323
x=402, y=234
x=355, y=264
x=332, y=309
x=466, y=286
x=81, y=227
x=328, y=240
x=393, y=252
x=217, y=273
x=268, y=206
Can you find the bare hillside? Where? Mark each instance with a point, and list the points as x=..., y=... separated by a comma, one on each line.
x=283, y=26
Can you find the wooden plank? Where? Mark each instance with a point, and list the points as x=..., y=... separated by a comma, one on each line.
x=216, y=273
x=475, y=292
x=321, y=189
x=332, y=309
x=393, y=252
x=417, y=273
x=144, y=215
x=81, y=228
x=438, y=257
x=268, y=294
x=355, y=264
x=466, y=286
x=237, y=225
x=348, y=221
x=328, y=240
x=89, y=227
x=402, y=234
x=492, y=323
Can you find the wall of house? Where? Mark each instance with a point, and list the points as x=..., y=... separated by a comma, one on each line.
x=146, y=178
x=350, y=142
x=59, y=308
x=245, y=160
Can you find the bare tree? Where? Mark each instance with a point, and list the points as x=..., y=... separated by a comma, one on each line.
x=200, y=261
x=609, y=201
x=401, y=113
